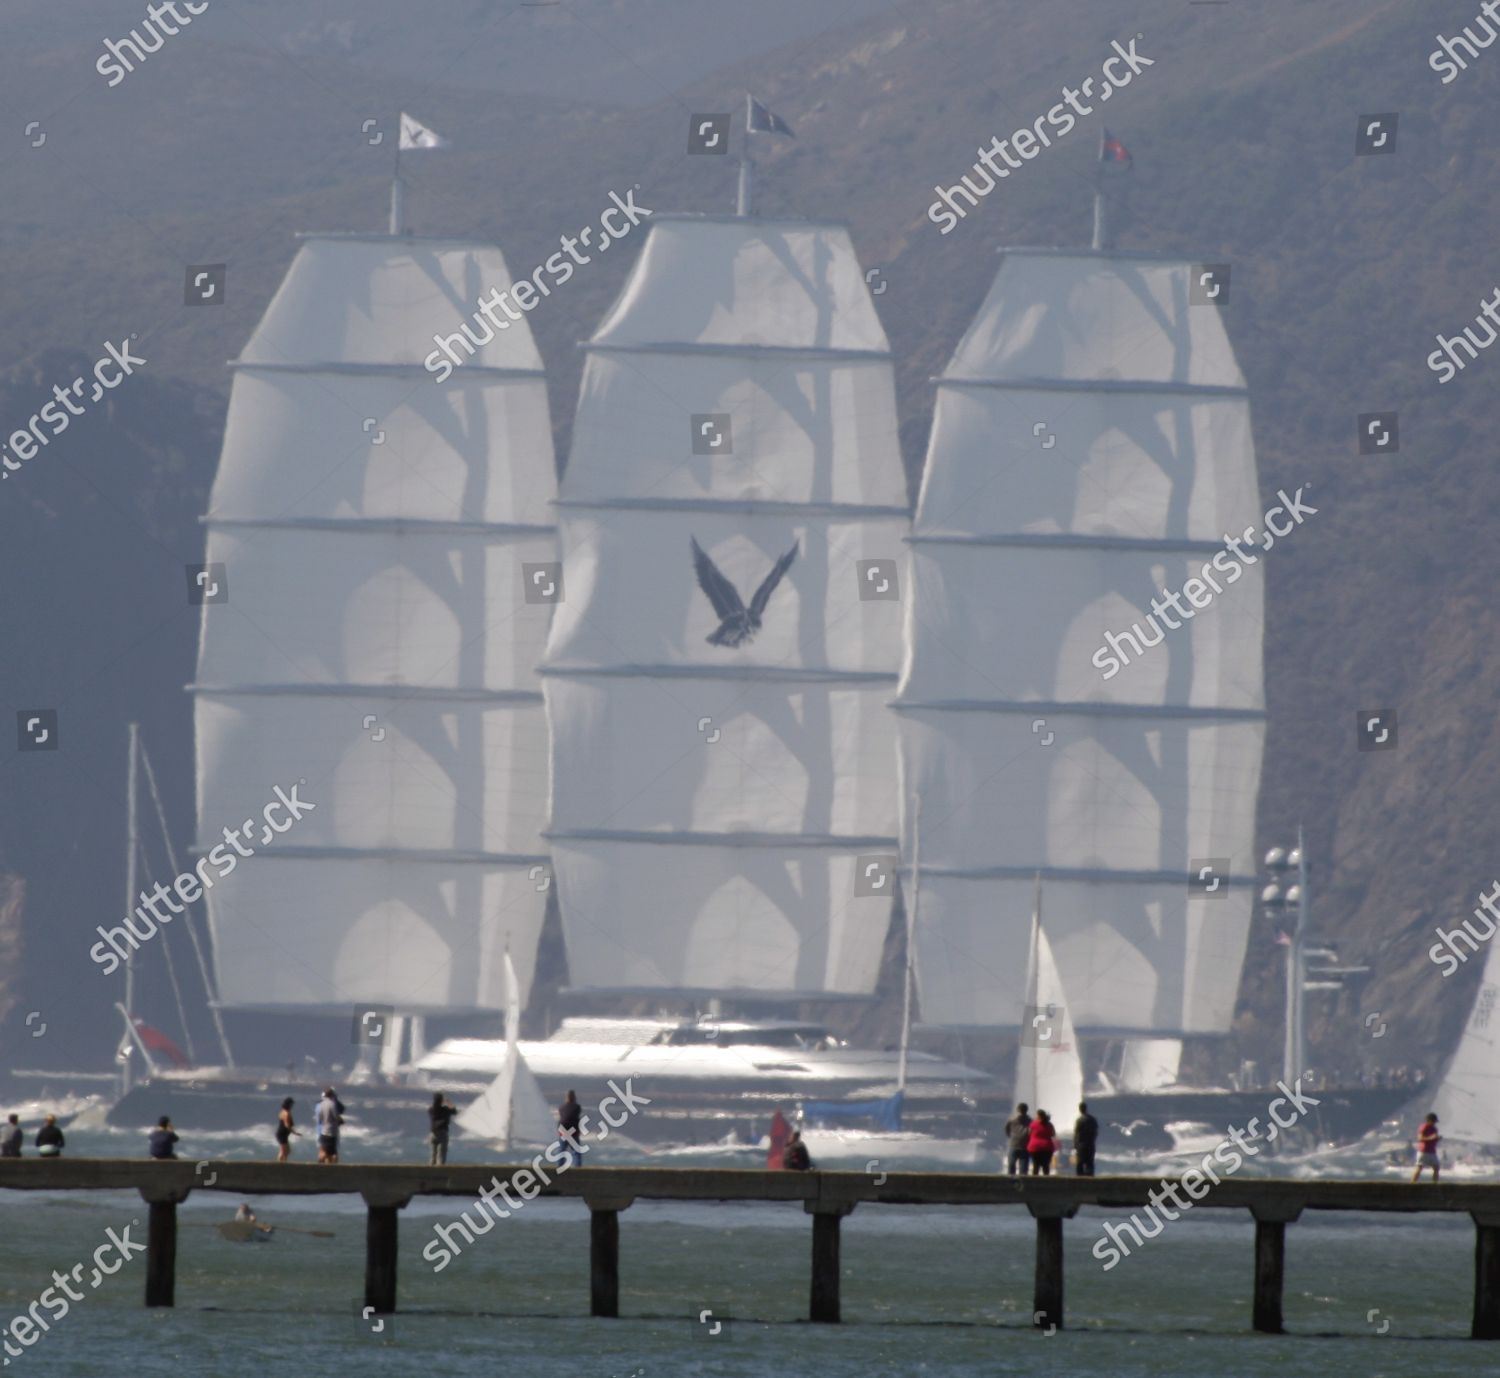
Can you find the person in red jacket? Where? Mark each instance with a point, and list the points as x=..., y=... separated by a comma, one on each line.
x=1042, y=1144
x=1428, y=1140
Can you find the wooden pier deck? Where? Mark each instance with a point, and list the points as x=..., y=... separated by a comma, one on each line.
x=826, y=1196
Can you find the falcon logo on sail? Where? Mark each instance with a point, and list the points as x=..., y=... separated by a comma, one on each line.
x=737, y=623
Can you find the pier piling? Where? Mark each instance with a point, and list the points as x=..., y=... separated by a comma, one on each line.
x=1047, y=1289
x=161, y=1253
x=823, y=1304
x=604, y=1261
x=1486, y=1324
x=1270, y=1265
x=381, y=1236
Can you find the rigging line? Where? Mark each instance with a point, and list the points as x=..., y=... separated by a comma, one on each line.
x=166, y=947
x=187, y=913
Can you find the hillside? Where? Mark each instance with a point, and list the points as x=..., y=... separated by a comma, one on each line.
x=1344, y=268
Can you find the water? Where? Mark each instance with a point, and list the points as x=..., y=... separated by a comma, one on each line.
x=926, y=1291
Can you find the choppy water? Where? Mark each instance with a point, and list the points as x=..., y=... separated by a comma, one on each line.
x=926, y=1291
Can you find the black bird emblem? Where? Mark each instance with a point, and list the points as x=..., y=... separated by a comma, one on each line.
x=737, y=623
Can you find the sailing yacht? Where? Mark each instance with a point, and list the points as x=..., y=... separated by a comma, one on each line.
x=375, y=534
x=1091, y=445
x=1049, y=1070
x=1467, y=1100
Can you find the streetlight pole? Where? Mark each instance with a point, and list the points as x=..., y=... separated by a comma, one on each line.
x=1295, y=1060
x=1294, y=1046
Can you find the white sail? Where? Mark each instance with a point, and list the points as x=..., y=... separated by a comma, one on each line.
x=1467, y=1101
x=1049, y=1069
x=711, y=801
x=377, y=645
x=1148, y=1064
x=1090, y=448
x=512, y=1109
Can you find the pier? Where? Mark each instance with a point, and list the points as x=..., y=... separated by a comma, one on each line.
x=828, y=1197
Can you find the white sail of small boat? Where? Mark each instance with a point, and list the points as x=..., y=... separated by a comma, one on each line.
x=1091, y=446
x=512, y=1109
x=731, y=518
x=1049, y=1069
x=1148, y=1064
x=1467, y=1101
x=370, y=537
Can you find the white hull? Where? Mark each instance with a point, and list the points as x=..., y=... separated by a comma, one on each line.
x=750, y=1066
x=871, y=1150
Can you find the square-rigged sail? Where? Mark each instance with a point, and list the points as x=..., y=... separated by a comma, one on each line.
x=732, y=524
x=377, y=644
x=1091, y=447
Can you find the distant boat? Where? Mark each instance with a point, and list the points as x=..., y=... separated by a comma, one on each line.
x=512, y=1109
x=1467, y=1100
x=1049, y=1071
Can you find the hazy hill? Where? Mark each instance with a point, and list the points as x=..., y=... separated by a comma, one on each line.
x=1244, y=131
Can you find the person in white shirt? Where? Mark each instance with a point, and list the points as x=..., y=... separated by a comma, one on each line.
x=330, y=1115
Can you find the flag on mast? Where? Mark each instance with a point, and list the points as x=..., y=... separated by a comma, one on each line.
x=1111, y=150
x=415, y=134
x=759, y=120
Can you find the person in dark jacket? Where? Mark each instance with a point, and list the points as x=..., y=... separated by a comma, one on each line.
x=439, y=1115
x=1017, y=1136
x=49, y=1139
x=163, y=1139
x=570, y=1128
x=1085, y=1137
x=10, y=1140
x=796, y=1157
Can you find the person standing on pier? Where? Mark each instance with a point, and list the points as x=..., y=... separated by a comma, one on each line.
x=1042, y=1144
x=285, y=1128
x=439, y=1113
x=49, y=1139
x=10, y=1141
x=163, y=1140
x=330, y=1116
x=796, y=1158
x=776, y=1148
x=1017, y=1136
x=569, y=1128
x=1428, y=1140
x=1085, y=1137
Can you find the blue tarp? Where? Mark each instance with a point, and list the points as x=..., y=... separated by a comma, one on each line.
x=882, y=1114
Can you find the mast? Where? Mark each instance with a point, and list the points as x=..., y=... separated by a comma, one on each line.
x=398, y=200
x=747, y=167
x=132, y=885
x=1101, y=233
x=911, y=943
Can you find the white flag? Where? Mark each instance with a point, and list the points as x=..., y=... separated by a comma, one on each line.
x=415, y=134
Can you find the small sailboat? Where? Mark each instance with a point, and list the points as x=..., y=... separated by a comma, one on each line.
x=1467, y=1101
x=512, y=1109
x=1049, y=1070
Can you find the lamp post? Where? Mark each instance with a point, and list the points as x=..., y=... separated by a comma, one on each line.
x=1279, y=899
